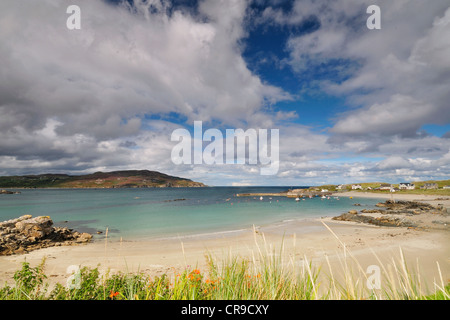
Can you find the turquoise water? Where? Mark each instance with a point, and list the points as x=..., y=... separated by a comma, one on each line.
x=153, y=213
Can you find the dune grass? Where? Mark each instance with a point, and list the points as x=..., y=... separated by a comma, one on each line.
x=267, y=274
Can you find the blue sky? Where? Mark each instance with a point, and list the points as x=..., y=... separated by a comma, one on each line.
x=351, y=104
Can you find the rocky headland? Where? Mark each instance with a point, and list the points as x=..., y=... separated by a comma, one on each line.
x=115, y=179
x=24, y=234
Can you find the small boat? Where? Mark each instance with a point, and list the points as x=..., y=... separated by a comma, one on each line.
x=260, y=198
x=323, y=197
x=297, y=199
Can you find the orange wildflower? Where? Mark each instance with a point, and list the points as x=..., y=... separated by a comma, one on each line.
x=113, y=294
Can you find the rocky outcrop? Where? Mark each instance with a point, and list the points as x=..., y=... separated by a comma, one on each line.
x=409, y=207
x=383, y=221
x=396, y=214
x=3, y=191
x=26, y=233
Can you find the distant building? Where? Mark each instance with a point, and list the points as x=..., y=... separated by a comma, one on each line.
x=356, y=186
x=385, y=186
x=446, y=187
x=406, y=186
x=340, y=187
x=429, y=186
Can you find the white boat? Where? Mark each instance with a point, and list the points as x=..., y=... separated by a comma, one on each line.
x=297, y=199
x=260, y=198
x=323, y=197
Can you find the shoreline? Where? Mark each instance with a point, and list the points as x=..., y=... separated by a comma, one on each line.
x=307, y=238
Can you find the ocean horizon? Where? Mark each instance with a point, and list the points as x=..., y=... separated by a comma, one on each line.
x=151, y=213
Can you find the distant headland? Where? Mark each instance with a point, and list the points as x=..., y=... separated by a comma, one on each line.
x=114, y=179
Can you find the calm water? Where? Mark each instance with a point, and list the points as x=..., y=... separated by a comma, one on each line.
x=137, y=213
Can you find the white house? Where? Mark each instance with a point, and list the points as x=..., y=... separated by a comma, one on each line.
x=429, y=186
x=356, y=186
x=406, y=186
x=385, y=186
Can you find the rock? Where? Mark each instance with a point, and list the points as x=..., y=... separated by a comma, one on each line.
x=8, y=192
x=24, y=234
x=384, y=221
x=12, y=223
x=37, y=227
x=372, y=211
x=394, y=214
x=84, y=237
x=20, y=250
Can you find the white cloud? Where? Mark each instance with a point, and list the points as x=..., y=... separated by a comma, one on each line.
x=66, y=91
x=401, y=115
x=86, y=100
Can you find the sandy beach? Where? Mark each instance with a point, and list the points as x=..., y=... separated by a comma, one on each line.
x=321, y=241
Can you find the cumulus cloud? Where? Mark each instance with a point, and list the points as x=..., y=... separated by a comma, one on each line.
x=397, y=84
x=395, y=81
x=65, y=94
x=108, y=96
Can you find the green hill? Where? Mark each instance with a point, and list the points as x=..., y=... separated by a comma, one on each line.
x=115, y=179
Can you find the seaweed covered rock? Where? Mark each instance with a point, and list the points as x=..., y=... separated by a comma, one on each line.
x=383, y=221
x=394, y=214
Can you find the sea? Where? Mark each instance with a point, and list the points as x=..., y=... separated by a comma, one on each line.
x=157, y=213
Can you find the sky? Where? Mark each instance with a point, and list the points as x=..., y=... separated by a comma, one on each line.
x=351, y=104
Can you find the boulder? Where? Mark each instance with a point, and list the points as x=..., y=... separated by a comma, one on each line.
x=84, y=237
x=23, y=234
x=38, y=227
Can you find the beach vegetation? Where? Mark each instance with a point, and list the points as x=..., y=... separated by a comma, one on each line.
x=267, y=275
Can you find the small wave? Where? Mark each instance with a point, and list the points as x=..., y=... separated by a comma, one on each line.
x=201, y=235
